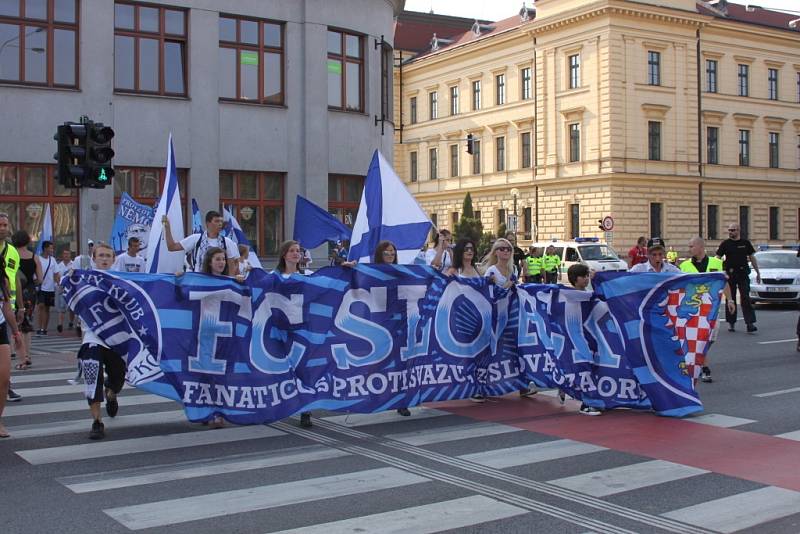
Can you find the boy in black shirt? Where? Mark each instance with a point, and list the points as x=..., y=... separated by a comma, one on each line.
x=737, y=252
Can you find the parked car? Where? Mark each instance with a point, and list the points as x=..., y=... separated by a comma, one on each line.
x=780, y=277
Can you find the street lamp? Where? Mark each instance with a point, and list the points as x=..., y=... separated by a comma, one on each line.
x=514, y=195
x=8, y=41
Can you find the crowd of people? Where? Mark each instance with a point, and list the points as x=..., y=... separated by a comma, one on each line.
x=30, y=287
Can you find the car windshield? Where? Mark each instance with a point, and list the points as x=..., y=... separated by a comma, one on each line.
x=598, y=252
x=774, y=260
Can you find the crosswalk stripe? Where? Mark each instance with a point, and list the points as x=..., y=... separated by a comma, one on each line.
x=389, y=416
x=26, y=378
x=619, y=479
x=168, y=512
x=71, y=406
x=720, y=420
x=453, y=433
x=140, y=476
x=795, y=436
x=47, y=391
x=529, y=454
x=740, y=511
x=425, y=519
x=122, y=421
x=85, y=451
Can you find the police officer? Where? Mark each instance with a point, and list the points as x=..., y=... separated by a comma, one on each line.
x=535, y=264
x=552, y=266
x=737, y=252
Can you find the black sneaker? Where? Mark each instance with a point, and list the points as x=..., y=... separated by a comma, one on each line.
x=112, y=406
x=529, y=391
x=13, y=396
x=751, y=328
x=71, y=325
x=98, y=430
x=305, y=420
x=731, y=327
x=478, y=398
x=705, y=376
x=404, y=412
x=59, y=329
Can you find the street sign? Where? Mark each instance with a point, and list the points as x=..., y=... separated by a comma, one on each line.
x=608, y=223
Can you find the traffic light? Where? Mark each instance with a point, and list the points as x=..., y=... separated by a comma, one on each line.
x=600, y=225
x=470, y=144
x=99, y=153
x=71, y=155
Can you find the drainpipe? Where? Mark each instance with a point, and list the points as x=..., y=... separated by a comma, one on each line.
x=535, y=146
x=700, y=166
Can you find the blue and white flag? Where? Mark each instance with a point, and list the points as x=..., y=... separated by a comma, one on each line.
x=379, y=337
x=233, y=230
x=47, y=230
x=133, y=220
x=314, y=226
x=159, y=259
x=387, y=212
x=197, y=218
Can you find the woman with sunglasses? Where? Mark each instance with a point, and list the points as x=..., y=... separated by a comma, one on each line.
x=501, y=269
x=464, y=260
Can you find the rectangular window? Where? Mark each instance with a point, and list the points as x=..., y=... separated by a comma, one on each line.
x=433, y=163
x=712, y=145
x=774, y=150
x=454, y=100
x=257, y=202
x=453, y=160
x=655, y=219
x=711, y=75
x=574, y=142
x=574, y=220
x=476, y=157
x=654, y=140
x=653, y=67
x=251, y=60
x=150, y=49
x=433, y=105
x=39, y=42
x=744, y=222
x=574, y=71
x=774, y=222
x=500, y=153
x=744, y=148
x=712, y=221
x=527, y=221
x=344, y=196
x=525, y=150
x=525, y=88
x=744, y=80
x=501, y=217
x=387, y=89
x=477, y=214
x=412, y=163
x=454, y=219
x=345, y=71
x=500, y=89
x=476, y=95
x=412, y=110
x=772, y=84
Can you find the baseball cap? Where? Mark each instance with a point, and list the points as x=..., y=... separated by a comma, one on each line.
x=656, y=241
x=90, y=243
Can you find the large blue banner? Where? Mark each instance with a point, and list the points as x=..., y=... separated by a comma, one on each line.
x=380, y=337
x=133, y=220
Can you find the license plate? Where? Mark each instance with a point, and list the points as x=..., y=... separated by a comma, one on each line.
x=778, y=289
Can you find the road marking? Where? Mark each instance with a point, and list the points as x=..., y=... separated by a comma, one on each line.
x=83, y=425
x=48, y=391
x=778, y=392
x=618, y=479
x=389, y=416
x=170, y=512
x=777, y=341
x=738, y=512
x=530, y=454
x=79, y=405
x=719, y=420
x=794, y=436
x=25, y=378
x=425, y=519
x=102, y=449
x=140, y=476
x=452, y=433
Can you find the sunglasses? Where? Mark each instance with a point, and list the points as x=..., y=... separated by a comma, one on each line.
x=389, y=252
x=503, y=249
x=469, y=248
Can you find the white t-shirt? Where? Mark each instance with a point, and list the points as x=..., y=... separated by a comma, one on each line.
x=128, y=264
x=189, y=243
x=499, y=279
x=76, y=263
x=646, y=267
x=49, y=266
x=89, y=336
x=447, y=258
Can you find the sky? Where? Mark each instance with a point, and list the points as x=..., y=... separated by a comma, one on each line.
x=501, y=9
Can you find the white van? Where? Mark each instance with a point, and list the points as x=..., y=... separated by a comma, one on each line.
x=589, y=250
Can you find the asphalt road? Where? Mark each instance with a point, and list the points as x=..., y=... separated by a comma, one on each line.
x=514, y=465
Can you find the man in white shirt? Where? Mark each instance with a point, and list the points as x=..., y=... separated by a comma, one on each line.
x=196, y=245
x=62, y=268
x=440, y=257
x=46, y=296
x=656, y=262
x=130, y=262
x=85, y=261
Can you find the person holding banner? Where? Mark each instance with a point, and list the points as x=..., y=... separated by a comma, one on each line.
x=655, y=261
x=500, y=267
x=464, y=260
x=130, y=262
x=579, y=277
x=197, y=245
x=6, y=318
x=215, y=263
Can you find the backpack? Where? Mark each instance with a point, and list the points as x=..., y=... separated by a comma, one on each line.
x=193, y=256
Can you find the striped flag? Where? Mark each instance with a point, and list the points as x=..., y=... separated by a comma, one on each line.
x=232, y=230
x=159, y=259
x=47, y=230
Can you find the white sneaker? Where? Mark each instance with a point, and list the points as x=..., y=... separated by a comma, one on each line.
x=588, y=410
x=530, y=391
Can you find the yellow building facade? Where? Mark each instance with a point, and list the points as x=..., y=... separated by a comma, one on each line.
x=675, y=121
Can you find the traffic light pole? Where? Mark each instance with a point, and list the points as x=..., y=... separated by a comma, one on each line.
x=96, y=215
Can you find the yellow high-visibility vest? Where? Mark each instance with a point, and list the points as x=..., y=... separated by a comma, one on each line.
x=535, y=264
x=714, y=265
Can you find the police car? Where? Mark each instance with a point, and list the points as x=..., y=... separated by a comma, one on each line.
x=780, y=277
x=589, y=250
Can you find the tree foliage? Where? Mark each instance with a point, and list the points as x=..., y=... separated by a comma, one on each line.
x=468, y=227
